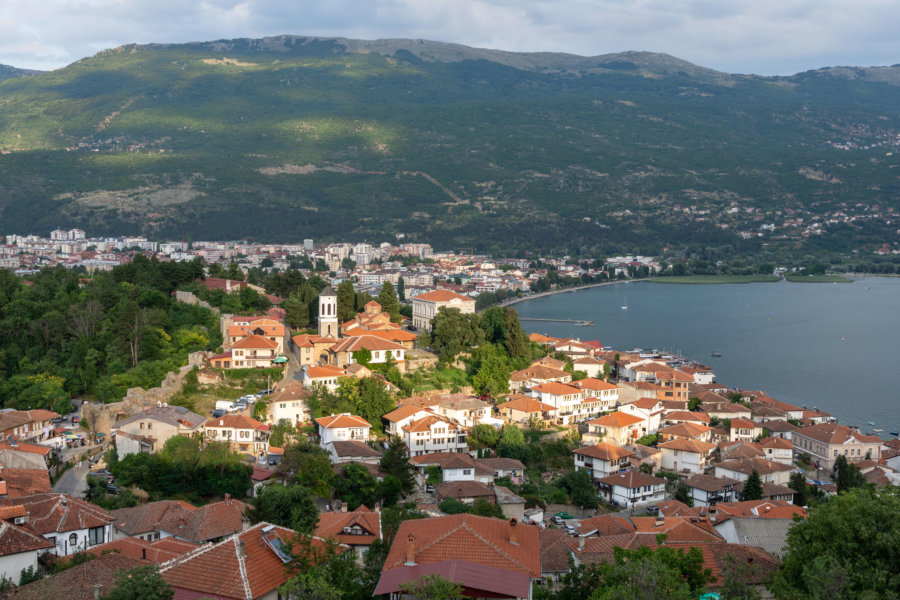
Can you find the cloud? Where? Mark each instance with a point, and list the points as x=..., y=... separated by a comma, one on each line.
x=759, y=36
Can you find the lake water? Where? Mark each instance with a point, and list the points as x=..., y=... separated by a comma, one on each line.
x=831, y=346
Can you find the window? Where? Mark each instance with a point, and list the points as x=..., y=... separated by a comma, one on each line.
x=142, y=425
x=73, y=540
x=467, y=471
x=149, y=425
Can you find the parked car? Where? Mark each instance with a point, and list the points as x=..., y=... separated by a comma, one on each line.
x=101, y=473
x=570, y=530
x=264, y=393
x=217, y=413
x=653, y=509
x=113, y=488
x=557, y=519
x=76, y=420
x=564, y=515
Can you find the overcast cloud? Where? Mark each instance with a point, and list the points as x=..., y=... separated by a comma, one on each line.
x=737, y=36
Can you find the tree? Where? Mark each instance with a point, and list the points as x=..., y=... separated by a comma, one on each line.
x=289, y=506
x=846, y=548
x=847, y=475
x=296, y=313
x=753, y=489
x=452, y=506
x=581, y=488
x=737, y=580
x=484, y=508
x=401, y=290
x=683, y=493
x=800, y=486
x=432, y=587
x=356, y=486
x=389, y=302
x=452, y=331
x=513, y=445
x=694, y=403
x=140, y=583
x=483, y=436
x=346, y=301
x=395, y=462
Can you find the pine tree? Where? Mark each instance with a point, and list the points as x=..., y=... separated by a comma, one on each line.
x=346, y=300
x=387, y=298
x=296, y=313
x=753, y=489
x=401, y=290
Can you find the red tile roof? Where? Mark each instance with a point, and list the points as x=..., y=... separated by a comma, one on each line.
x=554, y=388
x=525, y=404
x=334, y=524
x=616, y=419
x=631, y=480
x=365, y=342
x=595, y=385
x=480, y=540
x=341, y=421
x=442, y=296
x=142, y=549
x=604, y=451
x=15, y=539
x=23, y=482
x=145, y=518
x=80, y=582
x=206, y=523
x=688, y=445
x=233, y=422
x=50, y=513
x=254, y=341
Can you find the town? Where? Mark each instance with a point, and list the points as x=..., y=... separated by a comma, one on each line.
x=369, y=427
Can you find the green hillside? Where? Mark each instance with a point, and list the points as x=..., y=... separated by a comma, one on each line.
x=286, y=138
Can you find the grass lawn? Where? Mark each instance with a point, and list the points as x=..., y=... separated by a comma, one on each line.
x=818, y=279
x=438, y=379
x=714, y=279
x=237, y=383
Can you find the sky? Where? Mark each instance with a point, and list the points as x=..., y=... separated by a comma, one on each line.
x=764, y=37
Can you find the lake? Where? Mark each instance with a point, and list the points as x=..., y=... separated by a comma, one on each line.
x=831, y=346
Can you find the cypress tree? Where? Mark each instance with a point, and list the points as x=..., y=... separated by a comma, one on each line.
x=753, y=489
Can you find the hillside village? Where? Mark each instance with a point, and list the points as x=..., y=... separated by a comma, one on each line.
x=541, y=456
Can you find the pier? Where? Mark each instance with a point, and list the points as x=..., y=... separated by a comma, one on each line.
x=576, y=322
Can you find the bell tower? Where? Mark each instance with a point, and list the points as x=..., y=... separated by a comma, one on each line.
x=328, y=321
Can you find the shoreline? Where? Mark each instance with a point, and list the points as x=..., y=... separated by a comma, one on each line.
x=512, y=301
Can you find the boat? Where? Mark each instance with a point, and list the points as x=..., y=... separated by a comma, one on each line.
x=894, y=433
x=878, y=430
x=625, y=306
x=716, y=354
x=872, y=423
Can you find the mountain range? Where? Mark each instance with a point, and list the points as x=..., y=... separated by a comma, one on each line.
x=284, y=138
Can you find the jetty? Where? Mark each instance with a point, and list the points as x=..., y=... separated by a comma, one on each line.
x=576, y=322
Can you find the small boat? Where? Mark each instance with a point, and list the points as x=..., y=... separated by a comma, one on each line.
x=878, y=430
x=894, y=433
x=872, y=423
x=716, y=354
x=625, y=306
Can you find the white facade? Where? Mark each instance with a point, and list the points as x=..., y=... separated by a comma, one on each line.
x=328, y=321
x=11, y=565
x=77, y=540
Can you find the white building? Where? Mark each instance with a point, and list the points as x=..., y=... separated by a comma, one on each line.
x=426, y=306
x=342, y=427
x=632, y=488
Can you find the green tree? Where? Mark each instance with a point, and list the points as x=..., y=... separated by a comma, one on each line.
x=846, y=548
x=512, y=444
x=580, y=488
x=651, y=574
x=738, y=580
x=694, y=403
x=483, y=435
x=346, y=300
x=290, y=506
x=801, y=488
x=847, y=475
x=432, y=587
x=753, y=489
x=389, y=302
x=492, y=378
x=234, y=272
x=140, y=583
x=401, y=290
x=452, y=331
x=395, y=462
x=356, y=486
x=683, y=493
x=484, y=508
x=296, y=313
x=452, y=506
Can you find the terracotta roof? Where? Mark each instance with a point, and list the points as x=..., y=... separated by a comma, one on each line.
x=743, y=424
x=708, y=483
x=737, y=450
x=50, y=513
x=475, y=580
x=554, y=555
x=480, y=540
x=243, y=566
x=645, y=403
x=79, y=583
x=305, y=340
x=25, y=447
x=776, y=442
x=206, y=523
x=631, y=480
x=463, y=489
x=365, y=342
x=176, y=416
x=11, y=512
x=675, y=508
x=254, y=341
x=747, y=465
x=333, y=524
x=539, y=372
x=342, y=420
x=23, y=482
x=450, y=460
x=15, y=539
x=555, y=388
x=401, y=413
x=500, y=463
x=442, y=296
x=233, y=422
x=154, y=552
x=425, y=423
x=604, y=451
x=605, y=525
x=779, y=426
x=146, y=517
x=835, y=433
x=684, y=429
x=688, y=445
x=317, y=372
x=526, y=404
x=687, y=416
x=595, y=385
x=354, y=448
x=616, y=419
x=767, y=509
x=392, y=335
x=677, y=529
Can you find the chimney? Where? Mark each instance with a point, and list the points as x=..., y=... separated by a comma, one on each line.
x=513, y=532
x=242, y=549
x=97, y=588
x=581, y=542
x=411, y=550
x=228, y=499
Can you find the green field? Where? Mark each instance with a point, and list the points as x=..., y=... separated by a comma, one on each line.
x=818, y=279
x=715, y=279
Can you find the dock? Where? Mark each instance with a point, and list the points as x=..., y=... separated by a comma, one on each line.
x=576, y=322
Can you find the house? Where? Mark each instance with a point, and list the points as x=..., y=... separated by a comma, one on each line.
x=590, y=366
x=565, y=398
x=648, y=409
x=524, y=409
x=270, y=329
x=740, y=450
x=453, y=466
x=402, y=416
x=826, y=441
x=769, y=471
x=644, y=455
x=707, y=490
x=701, y=373
x=602, y=460
x=778, y=449
x=69, y=523
x=260, y=477
x=768, y=534
x=632, y=488
x=685, y=430
x=209, y=523
x=253, y=352
x=344, y=352
x=464, y=409
x=356, y=529
x=487, y=557
x=149, y=430
x=326, y=376
x=289, y=403
x=726, y=410
x=26, y=425
x=342, y=427
x=467, y=492
x=617, y=428
x=504, y=467
x=142, y=521
x=673, y=417
x=434, y=433
x=425, y=306
x=606, y=393
x=535, y=375
x=744, y=430
x=156, y=552
x=770, y=491
x=511, y=505
x=244, y=435
x=686, y=455
x=19, y=548
x=86, y=581
x=352, y=451
x=245, y=566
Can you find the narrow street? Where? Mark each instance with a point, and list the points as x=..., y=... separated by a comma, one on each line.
x=73, y=481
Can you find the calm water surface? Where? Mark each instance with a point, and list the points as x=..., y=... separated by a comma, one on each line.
x=831, y=346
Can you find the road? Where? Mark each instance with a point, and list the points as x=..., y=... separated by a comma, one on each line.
x=73, y=481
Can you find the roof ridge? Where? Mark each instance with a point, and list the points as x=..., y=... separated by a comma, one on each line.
x=491, y=544
x=242, y=566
